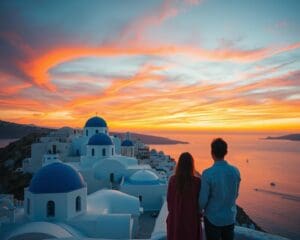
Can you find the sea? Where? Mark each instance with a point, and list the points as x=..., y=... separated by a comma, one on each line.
x=261, y=162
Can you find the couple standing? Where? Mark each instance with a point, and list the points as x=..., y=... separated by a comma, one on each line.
x=214, y=195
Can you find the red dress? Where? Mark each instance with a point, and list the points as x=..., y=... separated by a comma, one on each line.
x=183, y=221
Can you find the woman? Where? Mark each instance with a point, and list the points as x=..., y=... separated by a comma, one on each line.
x=183, y=221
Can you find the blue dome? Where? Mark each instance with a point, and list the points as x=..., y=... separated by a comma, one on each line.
x=127, y=143
x=56, y=178
x=95, y=122
x=100, y=139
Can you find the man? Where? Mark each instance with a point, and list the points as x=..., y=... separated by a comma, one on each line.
x=219, y=191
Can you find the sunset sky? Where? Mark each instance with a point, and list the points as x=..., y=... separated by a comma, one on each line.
x=151, y=65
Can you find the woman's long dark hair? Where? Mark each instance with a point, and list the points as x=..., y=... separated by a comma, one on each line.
x=185, y=170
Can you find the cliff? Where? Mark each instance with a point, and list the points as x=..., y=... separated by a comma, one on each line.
x=11, y=158
x=10, y=130
x=244, y=220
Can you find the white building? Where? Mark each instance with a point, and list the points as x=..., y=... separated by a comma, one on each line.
x=145, y=185
x=57, y=142
x=127, y=148
x=101, y=167
x=56, y=192
x=56, y=205
x=91, y=151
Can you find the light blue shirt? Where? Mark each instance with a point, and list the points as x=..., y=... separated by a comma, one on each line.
x=219, y=190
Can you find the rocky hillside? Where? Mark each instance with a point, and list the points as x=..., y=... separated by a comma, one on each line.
x=10, y=130
x=11, y=158
x=244, y=220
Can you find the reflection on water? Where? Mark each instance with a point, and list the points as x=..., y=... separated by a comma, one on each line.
x=282, y=195
x=261, y=162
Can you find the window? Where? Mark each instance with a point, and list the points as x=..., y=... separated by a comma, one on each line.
x=77, y=152
x=86, y=132
x=54, y=149
x=97, y=131
x=78, y=204
x=140, y=198
x=50, y=209
x=112, y=151
x=93, y=152
x=28, y=206
x=112, y=177
x=103, y=152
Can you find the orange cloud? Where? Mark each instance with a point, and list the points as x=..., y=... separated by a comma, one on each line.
x=10, y=87
x=38, y=68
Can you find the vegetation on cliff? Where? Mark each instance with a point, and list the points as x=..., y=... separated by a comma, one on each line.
x=11, y=156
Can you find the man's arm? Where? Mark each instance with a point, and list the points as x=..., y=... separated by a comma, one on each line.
x=204, y=192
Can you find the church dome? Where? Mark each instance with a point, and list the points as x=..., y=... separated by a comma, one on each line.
x=127, y=143
x=56, y=178
x=144, y=177
x=100, y=139
x=96, y=122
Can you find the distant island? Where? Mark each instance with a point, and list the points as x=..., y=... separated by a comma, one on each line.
x=10, y=130
x=291, y=137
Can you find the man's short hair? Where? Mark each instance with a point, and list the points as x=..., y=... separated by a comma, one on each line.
x=219, y=148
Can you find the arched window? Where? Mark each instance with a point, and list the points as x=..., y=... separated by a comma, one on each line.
x=103, y=152
x=50, y=209
x=78, y=204
x=111, y=177
x=93, y=152
x=54, y=149
x=28, y=206
x=86, y=132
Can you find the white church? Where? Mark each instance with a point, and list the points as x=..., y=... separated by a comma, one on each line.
x=103, y=160
x=56, y=205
